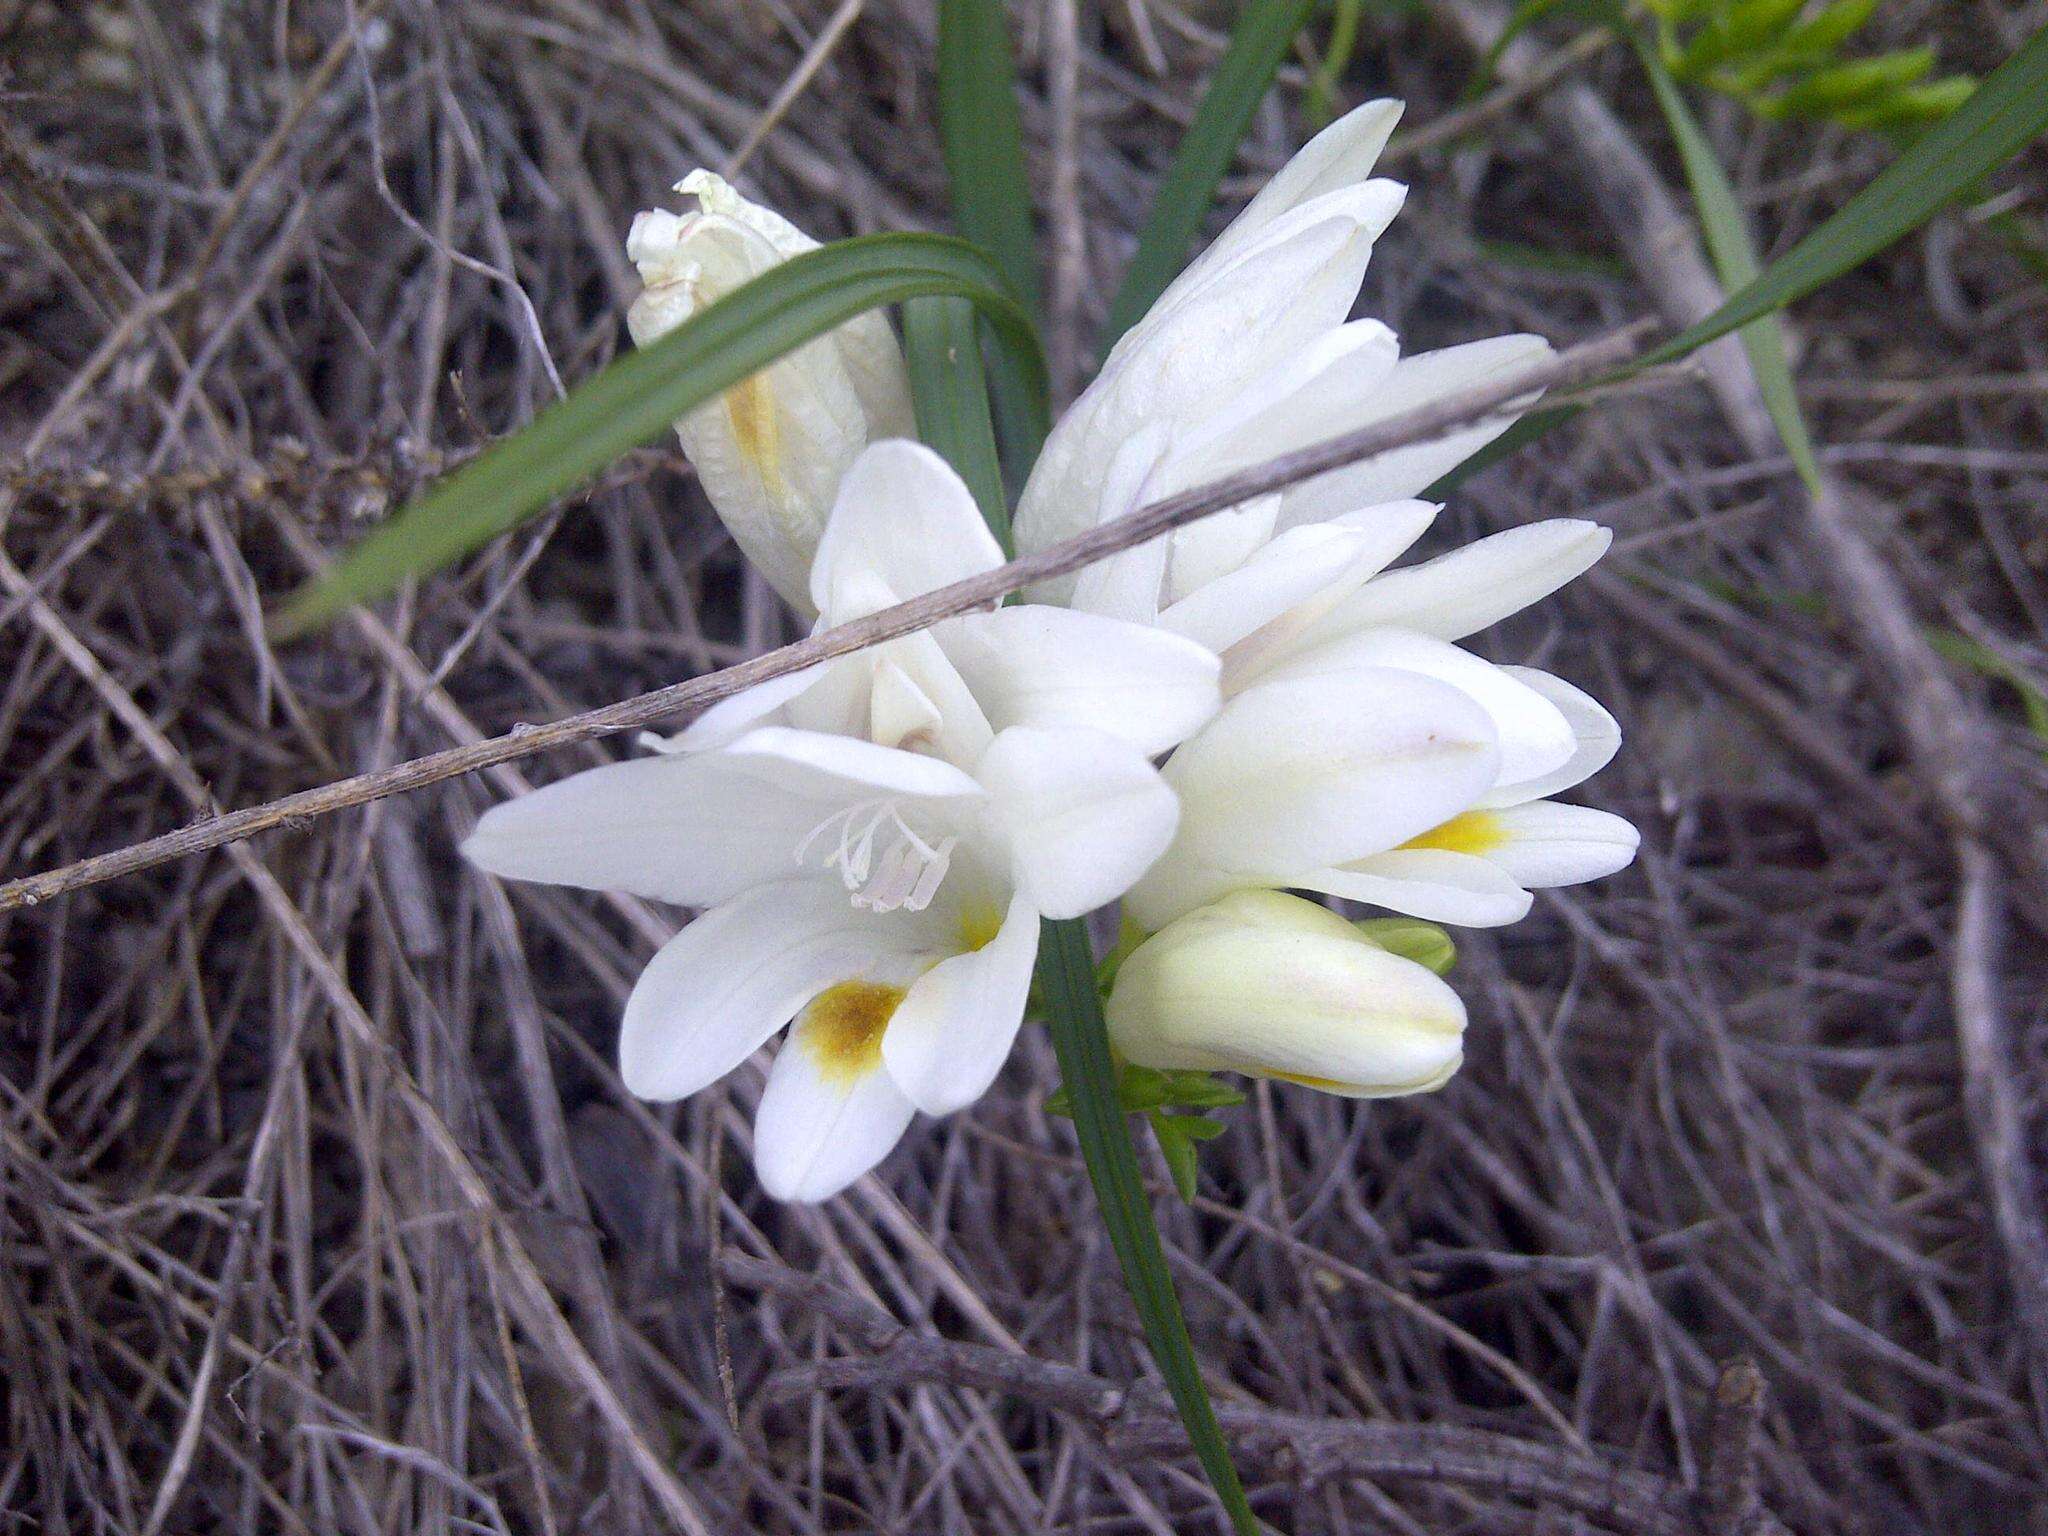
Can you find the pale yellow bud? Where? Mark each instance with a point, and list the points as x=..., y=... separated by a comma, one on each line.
x=1274, y=986
x=771, y=450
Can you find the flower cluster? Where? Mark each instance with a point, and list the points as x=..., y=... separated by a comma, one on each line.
x=1257, y=704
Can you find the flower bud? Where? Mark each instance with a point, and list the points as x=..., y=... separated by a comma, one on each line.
x=1269, y=984
x=770, y=451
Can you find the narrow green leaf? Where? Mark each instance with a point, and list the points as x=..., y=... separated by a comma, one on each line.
x=984, y=139
x=990, y=191
x=943, y=348
x=2002, y=116
x=638, y=397
x=1066, y=970
x=1189, y=186
x=1728, y=242
x=1965, y=651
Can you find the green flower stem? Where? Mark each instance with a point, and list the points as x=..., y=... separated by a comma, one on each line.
x=1066, y=975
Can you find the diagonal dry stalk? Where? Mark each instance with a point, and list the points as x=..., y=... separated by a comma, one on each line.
x=1578, y=366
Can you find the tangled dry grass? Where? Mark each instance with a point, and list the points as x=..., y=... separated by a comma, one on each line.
x=321, y=1206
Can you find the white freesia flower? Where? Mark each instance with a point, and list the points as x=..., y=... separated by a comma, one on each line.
x=771, y=450
x=876, y=840
x=1246, y=356
x=1275, y=986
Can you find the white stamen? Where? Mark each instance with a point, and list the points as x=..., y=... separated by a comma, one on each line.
x=910, y=869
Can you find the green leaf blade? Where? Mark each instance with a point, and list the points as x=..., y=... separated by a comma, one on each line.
x=1066, y=969
x=983, y=139
x=639, y=396
x=1734, y=256
x=2002, y=116
x=990, y=189
x=942, y=346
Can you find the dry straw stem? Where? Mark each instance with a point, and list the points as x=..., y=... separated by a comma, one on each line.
x=1302, y=1448
x=1577, y=366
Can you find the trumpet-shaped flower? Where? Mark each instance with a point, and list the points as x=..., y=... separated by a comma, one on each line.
x=1275, y=986
x=770, y=451
x=874, y=842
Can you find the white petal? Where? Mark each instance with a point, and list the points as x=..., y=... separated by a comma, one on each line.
x=1434, y=884
x=1534, y=736
x=1548, y=843
x=1216, y=545
x=1190, y=352
x=1254, y=611
x=1296, y=776
x=1378, y=535
x=1320, y=293
x=1301, y=564
x=824, y=1121
x=904, y=524
x=770, y=453
x=700, y=828
x=921, y=702
x=1416, y=382
x=830, y=769
x=1084, y=814
x=728, y=981
x=1342, y=155
x=729, y=719
x=1030, y=664
x=1237, y=987
x=1456, y=594
x=1329, y=387
x=1129, y=586
x=951, y=1035
x=1596, y=735
x=692, y=830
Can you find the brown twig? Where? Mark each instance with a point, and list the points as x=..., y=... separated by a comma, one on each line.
x=1573, y=367
x=1297, y=1448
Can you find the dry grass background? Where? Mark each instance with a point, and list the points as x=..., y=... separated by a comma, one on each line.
x=321, y=1207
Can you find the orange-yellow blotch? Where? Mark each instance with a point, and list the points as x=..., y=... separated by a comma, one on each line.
x=1477, y=832
x=751, y=410
x=842, y=1028
x=979, y=925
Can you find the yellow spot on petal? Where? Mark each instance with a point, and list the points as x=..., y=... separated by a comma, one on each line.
x=979, y=924
x=842, y=1029
x=1477, y=832
x=751, y=411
